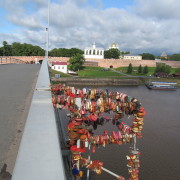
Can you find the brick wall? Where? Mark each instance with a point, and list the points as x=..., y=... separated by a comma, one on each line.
x=103, y=62
x=124, y=63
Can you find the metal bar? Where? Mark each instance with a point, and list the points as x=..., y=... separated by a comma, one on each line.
x=47, y=31
x=134, y=142
x=43, y=89
x=89, y=158
x=110, y=172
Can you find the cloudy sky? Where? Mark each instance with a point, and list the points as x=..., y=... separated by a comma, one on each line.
x=136, y=25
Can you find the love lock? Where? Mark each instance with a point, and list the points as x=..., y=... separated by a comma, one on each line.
x=88, y=113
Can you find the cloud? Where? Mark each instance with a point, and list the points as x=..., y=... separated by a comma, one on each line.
x=29, y=21
x=144, y=27
x=162, y=9
x=10, y=38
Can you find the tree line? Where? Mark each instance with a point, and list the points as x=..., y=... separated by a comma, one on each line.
x=160, y=67
x=18, y=49
x=140, y=70
x=63, y=52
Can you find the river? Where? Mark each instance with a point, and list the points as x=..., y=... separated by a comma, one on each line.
x=160, y=145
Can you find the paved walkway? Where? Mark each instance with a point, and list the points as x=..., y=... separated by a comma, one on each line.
x=125, y=74
x=17, y=82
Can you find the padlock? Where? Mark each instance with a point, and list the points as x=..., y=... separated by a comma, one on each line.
x=86, y=143
x=75, y=171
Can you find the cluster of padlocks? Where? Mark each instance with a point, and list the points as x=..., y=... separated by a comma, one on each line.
x=133, y=164
x=87, y=107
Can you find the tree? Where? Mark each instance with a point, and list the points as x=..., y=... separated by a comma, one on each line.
x=74, y=51
x=140, y=69
x=18, y=49
x=177, y=70
x=130, y=69
x=145, y=70
x=1, y=51
x=174, y=57
x=167, y=69
x=7, y=51
x=126, y=52
x=54, y=52
x=76, y=62
x=63, y=52
x=112, y=53
x=148, y=56
x=158, y=67
x=162, y=67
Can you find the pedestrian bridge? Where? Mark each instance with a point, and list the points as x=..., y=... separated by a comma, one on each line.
x=39, y=156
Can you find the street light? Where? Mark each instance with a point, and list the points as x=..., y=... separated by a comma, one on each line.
x=47, y=31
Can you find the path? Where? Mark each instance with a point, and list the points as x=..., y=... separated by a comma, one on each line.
x=16, y=87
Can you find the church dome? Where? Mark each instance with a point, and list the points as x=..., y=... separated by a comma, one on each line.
x=113, y=45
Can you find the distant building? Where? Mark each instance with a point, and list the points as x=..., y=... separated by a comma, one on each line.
x=59, y=66
x=131, y=57
x=114, y=46
x=94, y=52
x=164, y=55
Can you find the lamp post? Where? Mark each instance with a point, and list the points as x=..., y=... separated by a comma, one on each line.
x=47, y=32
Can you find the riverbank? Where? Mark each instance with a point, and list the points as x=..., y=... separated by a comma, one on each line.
x=76, y=81
x=97, y=81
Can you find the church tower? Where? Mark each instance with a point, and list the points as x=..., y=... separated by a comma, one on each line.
x=93, y=52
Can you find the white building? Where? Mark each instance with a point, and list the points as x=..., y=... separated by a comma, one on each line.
x=60, y=66
x=93, y=52
x=132, y=57
x=164, y=55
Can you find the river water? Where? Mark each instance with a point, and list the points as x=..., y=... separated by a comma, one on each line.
x=160, y=144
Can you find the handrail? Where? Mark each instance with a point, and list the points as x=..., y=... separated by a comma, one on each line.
x=39, y=155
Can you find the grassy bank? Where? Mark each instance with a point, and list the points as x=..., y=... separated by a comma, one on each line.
x=53, y=72
x=97, y=72
x=150, y=69
x=135, y=71
x=100, y=72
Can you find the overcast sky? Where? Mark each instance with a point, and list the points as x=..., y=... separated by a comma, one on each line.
x=135, y=25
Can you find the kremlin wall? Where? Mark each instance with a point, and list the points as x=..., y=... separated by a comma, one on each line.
x=101, y=62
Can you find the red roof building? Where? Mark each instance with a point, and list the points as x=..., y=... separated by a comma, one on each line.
x=59, y=66
x=59, y=63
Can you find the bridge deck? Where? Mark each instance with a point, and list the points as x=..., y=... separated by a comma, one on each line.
x=16, y=87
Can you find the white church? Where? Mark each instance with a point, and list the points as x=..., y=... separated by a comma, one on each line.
x=93, y=52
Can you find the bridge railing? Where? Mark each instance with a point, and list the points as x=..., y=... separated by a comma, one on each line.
x=39, y=156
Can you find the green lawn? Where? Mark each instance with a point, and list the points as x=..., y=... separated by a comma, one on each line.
x=98, y=72
x=151, y=70
x=175, y=70
x=53, y=72
x=135, y=71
